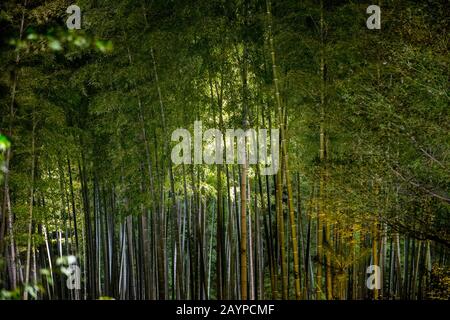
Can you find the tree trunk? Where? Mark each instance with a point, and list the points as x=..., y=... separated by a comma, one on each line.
x=31, y=206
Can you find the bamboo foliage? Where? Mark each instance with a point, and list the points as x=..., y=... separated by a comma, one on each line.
x=90, y=192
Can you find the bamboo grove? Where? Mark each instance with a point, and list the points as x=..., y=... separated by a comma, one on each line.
x=85, y=144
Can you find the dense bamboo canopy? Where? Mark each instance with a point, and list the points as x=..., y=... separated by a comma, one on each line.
x=93, y=206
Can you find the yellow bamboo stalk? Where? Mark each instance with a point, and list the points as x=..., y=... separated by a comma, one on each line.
x=286, y=171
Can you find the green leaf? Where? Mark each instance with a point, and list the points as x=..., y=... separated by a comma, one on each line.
x=104, y=46
x=4, y=143
x=32, y=36
x=81, y=42
x=55, y=45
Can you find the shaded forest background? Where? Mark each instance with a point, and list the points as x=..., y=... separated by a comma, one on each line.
x=86, y=123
